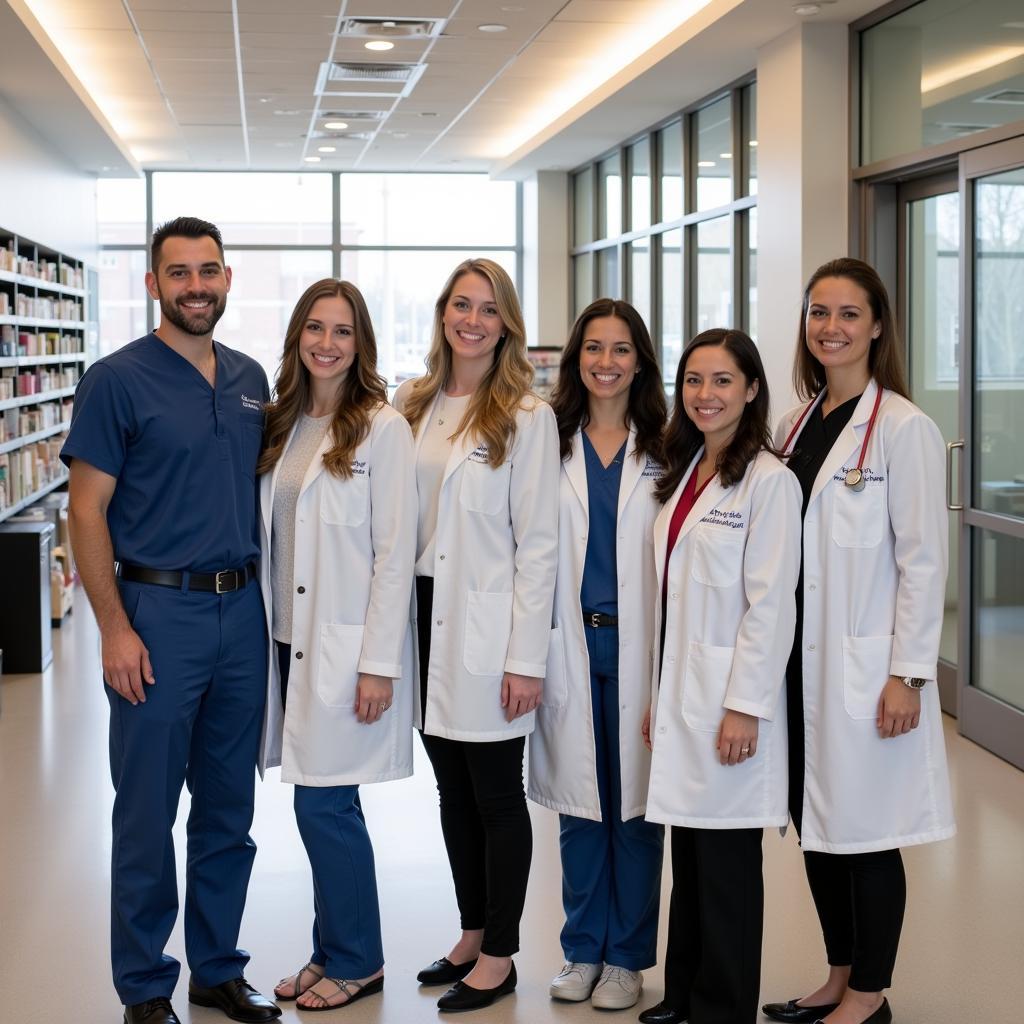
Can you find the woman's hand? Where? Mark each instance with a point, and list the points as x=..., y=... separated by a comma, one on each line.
x=899, y=708
x=645, y=729
x=373, y=697
x=737, y=737
x=519, y=694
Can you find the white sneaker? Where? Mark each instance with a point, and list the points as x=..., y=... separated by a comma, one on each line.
x=575, y=982
x=618, y=988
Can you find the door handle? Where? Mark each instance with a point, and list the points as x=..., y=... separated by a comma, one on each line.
x=949, y=477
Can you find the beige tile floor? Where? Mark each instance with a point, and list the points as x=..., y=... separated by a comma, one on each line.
x=962, y=957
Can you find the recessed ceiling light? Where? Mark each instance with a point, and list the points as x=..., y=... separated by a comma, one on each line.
x=399, y=135
x=327, y=149
x=705, y=163
x=510, y=9
x=335, y=126
x=264, y=99
x=311, y=159
x=428, y=113
x=492, y=28
x=287, y=113
x=807, y=10
x=725, y=156
x=752, y=143
x=379, y=44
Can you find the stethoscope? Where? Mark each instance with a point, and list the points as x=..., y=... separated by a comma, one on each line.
x=854, y=477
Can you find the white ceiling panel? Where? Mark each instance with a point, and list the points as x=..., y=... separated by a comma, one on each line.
x=197, y=23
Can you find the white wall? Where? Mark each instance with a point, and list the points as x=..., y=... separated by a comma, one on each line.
x=545, y=295
x=42, y=196
x=803, y=182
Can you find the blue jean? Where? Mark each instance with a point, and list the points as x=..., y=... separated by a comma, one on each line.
x=200, y=725
x=611, y=869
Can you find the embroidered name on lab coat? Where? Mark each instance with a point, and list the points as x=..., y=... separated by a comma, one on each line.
x=358, y=468
x=870, y=476
x=652, y=470
x=478, y=454
x=730, y=520
x=253, y=404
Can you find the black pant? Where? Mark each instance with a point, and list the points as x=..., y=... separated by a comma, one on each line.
x=860, y=899
x=716, y=918
x=484, y=819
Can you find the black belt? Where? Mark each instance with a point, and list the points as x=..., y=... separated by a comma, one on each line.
x=222, y=582
x=596, y=619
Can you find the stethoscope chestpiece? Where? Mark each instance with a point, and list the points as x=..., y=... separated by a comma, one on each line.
x=854, y=480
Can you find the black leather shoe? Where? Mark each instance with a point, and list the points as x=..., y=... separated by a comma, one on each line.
x=444, y=972
x=152, y=1011
x=237, y=998
x=464, y=997
x=883, y=1015
x=661, y=1013
x=790, y=1013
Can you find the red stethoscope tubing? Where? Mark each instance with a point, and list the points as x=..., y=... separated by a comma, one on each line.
x=867, y=435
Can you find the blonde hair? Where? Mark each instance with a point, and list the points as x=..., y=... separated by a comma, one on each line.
x=363, y=390
x=491, y=414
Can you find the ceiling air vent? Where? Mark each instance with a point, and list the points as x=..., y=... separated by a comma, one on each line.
x=367, y=78
x=352, y=115
x=391, y=28
x=1010, y=96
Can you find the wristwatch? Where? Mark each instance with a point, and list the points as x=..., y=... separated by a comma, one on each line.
x=913, y=682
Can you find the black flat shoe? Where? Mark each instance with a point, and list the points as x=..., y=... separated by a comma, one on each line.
x=152, y=1011
x=444, y=972
x=790, y=1013
x=237, y=998
x=883, y=1015
x=662, y=1013
x=464, y=997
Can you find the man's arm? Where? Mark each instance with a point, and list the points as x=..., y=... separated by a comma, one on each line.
x=125, y=658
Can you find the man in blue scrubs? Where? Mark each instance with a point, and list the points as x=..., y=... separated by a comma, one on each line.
x=162, y=450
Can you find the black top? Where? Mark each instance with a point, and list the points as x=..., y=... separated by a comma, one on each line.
x=816, y=440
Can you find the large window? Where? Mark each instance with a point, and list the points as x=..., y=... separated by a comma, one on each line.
x=678, y=240
x=396, y=236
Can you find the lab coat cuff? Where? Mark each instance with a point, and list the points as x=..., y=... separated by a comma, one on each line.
x=538, y=669
x=391, y=669
x=749, y=707
x=914, y=669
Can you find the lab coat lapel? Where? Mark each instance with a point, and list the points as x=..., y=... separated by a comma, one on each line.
x=848, y=442
x=632, y=471
x=316, y=464
x=268, y=488
x=576, y=471
x=664, y=520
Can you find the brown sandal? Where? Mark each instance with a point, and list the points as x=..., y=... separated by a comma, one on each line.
x=295, y=980
x=352, y=989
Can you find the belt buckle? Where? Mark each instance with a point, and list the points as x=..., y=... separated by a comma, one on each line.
x=217, y=581
x=595, y=619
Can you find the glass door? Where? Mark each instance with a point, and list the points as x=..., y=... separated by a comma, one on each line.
x=991, y=625
x=929, y=305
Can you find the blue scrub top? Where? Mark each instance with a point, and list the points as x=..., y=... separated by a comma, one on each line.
x=599, y=591
x=184, y=454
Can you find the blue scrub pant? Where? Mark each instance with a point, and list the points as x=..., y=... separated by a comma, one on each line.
x=611, y=869
x=201, y=725
x=346, y=914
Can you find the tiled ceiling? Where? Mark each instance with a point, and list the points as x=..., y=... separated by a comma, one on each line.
x=231, y=83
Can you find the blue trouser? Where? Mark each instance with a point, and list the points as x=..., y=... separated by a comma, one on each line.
x=200, y=724
x=611, y=869
x=346, y=922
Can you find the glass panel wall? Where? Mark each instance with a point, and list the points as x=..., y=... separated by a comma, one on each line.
x=640, y=185
x=713, y=143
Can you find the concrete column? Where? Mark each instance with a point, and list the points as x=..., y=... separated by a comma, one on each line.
x=545, y=295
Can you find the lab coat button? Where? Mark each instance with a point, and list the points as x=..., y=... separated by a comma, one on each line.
x=675, y=597
x=298, y=654
x=440, y=622
x=300, y=590
x=810, y=647
x=813, y=586
x=442, y=558
x=661, y=728
x=671, y=657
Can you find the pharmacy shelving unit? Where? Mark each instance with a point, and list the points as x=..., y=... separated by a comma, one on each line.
x=44, y=312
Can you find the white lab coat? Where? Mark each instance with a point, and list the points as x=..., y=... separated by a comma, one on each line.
x=873, y=590
x=494, y=576
x=730, y=612
x=355, y=547
x=563, y=768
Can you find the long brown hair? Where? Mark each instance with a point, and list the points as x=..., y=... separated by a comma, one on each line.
x=362, y=391
x=491, y=414
x=683, y=438
x=570, y=399
x=885, y=357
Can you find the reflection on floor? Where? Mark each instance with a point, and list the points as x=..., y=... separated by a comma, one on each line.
x=960, y=960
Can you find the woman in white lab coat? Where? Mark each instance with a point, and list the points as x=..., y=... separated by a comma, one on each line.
x=338, y=527
x=727, y=551
x=867, y=758
x=587, y=758
x=487, y=479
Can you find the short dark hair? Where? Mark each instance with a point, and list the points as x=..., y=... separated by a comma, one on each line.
x=183, y=227
x=683, y=438
x=647, y=410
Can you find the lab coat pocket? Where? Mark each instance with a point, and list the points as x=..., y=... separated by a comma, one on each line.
x=705, y=685
x=866, y=661
x=858, y=517
x=556, y=686
x=488, y=628
x=344, y=502
x=338, y=671
x=717, y=555
x=483, y=489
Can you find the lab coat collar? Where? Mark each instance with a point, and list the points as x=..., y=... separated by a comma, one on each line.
x=632, y=471
x=576, y=471
x=848, y=441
